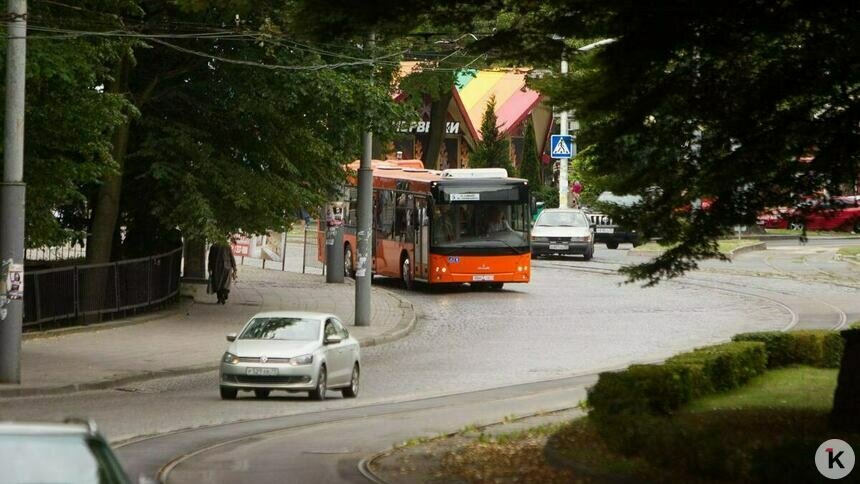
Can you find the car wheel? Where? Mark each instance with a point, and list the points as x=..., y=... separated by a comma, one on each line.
x=348, y=270
x=262, y=393
x=588, y=254
x=352, y=390
x=612, y=244
x=406, y=273
x=229, y=393
x=318, y=393
x=795, y=225
x=857, y=226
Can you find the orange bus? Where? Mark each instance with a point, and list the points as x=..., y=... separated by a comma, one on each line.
x=443, y=227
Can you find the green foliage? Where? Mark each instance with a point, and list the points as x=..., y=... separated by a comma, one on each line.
x=530, y=165
x=68, y=123
x=725, y=366
x=493, y=150
x=663, y=389
x=819, y=348
x=214, y=146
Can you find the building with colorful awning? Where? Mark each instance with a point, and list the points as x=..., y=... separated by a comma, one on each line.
x=471, y=93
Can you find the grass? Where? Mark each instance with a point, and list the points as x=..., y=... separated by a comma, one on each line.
x=853, y=251
x=726, y=246
x=797, y=387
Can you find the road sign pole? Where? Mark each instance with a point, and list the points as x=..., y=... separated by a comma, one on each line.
x=12, y=187
x=563, y=162
x=364, y=236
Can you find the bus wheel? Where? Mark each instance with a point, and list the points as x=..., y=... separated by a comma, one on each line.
x=496, y=286
x=406, y=273
x=348, y=269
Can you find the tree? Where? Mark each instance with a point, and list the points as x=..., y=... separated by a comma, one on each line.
x=69, y=121
x=530, y=165
x=493, y=150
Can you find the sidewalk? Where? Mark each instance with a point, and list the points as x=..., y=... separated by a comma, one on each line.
x=191, y=338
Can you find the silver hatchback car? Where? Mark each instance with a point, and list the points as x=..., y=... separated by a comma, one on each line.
x=293, y=351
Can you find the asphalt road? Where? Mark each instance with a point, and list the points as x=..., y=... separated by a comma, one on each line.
x=575, y=317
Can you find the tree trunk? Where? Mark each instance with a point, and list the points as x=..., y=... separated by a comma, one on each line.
x=195, y=260
x=846, y=401
x=438, y=118
x=106, y=208
x=96, y=293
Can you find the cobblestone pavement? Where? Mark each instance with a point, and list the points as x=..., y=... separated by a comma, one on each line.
x=566, y=321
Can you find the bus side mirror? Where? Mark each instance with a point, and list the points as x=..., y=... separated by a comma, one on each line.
x=533, y=204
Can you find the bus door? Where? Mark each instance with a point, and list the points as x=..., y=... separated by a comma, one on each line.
x=422, y=237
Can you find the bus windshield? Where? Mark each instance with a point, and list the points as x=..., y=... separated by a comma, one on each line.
x=498, y=227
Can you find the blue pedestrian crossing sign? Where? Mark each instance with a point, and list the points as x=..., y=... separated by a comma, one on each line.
x=561, y=146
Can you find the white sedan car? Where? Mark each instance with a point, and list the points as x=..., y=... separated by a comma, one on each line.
x=293, y=351
x=562, y=231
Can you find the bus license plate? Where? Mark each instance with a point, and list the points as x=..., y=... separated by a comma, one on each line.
x=558, y=246
x=256, y=371
x=482, y=277
x=605, y=230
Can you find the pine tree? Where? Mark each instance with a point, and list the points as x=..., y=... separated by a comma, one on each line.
x=530, y=166
x=493, y=150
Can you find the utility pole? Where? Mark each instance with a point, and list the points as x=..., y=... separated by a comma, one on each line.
x=12, y=188
x=564, y=162
x=364, y=236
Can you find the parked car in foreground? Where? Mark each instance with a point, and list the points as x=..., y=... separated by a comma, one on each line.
x=606, y=231
x=292, y=351
x=562, y=231
x=72, y=452
x=838, y=214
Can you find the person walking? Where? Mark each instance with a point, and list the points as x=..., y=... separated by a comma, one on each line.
x=222, y=271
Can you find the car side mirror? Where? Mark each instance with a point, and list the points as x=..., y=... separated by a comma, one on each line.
x=332, y=339
x=231, y=337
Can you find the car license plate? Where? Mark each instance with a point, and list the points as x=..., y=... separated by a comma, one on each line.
x=605, y=230
x=482, y=277
x=261, y=371
x=558, y=246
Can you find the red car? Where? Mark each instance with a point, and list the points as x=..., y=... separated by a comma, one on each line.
x=833, y=214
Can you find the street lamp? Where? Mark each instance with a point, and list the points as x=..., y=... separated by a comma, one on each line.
x=565, y=126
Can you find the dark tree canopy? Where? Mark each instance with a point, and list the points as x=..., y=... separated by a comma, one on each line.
x=696, y=100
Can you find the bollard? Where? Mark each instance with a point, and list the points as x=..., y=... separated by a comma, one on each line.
x=334, y=254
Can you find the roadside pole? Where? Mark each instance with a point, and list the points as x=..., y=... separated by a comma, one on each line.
x=364, y=235
x=12, y=188
x=563, y=162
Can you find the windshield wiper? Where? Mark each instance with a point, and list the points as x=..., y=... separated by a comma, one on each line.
x=502, y=241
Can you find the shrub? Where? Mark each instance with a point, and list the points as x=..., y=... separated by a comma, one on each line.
x=641, y=389
x=725, y=366
x=662, y=389
x=819, y=348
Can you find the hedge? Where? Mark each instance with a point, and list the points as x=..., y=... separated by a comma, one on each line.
x=819, y=348
x=662, y=389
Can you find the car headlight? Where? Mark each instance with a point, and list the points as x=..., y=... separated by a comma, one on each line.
x=585, y=238
x=230, y=358
x=302, y=360
x=540, y=239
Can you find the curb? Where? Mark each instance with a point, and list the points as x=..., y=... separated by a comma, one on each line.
x=731, y=254
x=406, y=324
x=745, y=249
x=183, y=304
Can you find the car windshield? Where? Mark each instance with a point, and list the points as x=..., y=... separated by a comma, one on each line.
x=561, y=219
x=70, y=459
x=286, y=329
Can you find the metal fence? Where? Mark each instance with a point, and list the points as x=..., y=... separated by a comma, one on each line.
x=60, y=296
x=298, y=253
